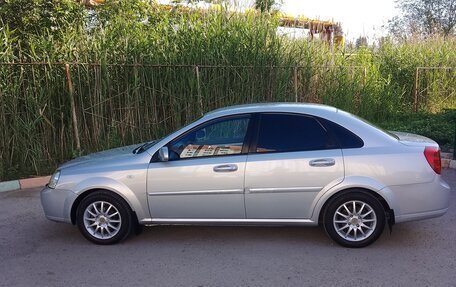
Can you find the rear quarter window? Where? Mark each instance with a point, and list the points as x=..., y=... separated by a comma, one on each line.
x=344, y=137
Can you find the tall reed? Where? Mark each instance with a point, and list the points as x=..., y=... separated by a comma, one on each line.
x=138, y=73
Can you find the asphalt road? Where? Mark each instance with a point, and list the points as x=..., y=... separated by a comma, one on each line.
x=38, y=252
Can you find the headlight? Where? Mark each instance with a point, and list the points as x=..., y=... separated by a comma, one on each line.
x=54, y=179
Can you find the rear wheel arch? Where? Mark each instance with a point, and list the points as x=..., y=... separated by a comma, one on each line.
x=389, y=213
x=354, y=219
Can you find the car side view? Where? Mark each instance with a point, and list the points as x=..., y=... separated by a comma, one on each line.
x=260, y=164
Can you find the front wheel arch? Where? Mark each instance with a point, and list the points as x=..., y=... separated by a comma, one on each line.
x=86, y=193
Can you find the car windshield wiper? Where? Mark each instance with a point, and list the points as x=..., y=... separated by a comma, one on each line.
x=140, y=148
x=143, y=147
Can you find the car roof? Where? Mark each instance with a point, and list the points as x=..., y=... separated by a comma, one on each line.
x=371, y=135
x=315, y=109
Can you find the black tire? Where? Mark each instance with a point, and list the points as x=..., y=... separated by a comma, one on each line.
x=368, y=228
x=123, y=220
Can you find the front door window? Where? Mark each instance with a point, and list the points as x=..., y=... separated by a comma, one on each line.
x=222, y=137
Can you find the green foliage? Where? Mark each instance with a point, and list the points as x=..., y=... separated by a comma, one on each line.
x=265, y=5
x=439, y=127
x=131, y=12
x=26, y=21
x=143, y=82
x=35, y=16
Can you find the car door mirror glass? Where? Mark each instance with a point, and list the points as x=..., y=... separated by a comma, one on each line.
x=163, y=154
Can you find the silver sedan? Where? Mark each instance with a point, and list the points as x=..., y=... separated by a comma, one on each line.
x=262, y=164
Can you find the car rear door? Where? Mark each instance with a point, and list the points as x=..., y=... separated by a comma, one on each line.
x=204, y=177
x=292, y=158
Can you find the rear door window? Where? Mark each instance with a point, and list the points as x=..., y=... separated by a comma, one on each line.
x=290, y=132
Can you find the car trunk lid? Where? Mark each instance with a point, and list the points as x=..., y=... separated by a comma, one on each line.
x=414, y=139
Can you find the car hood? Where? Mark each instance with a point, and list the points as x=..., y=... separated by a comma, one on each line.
x=105, y=156
x=413, y=139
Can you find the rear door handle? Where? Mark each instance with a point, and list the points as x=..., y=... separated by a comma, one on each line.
x=225, y=168
x=322, y=162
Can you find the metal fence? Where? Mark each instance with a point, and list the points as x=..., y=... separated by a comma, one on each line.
x=52, y=112
x=435, y=87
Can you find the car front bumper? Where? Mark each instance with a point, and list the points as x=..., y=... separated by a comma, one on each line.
x=57, y=204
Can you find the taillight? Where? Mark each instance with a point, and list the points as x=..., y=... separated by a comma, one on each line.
x=432, y=155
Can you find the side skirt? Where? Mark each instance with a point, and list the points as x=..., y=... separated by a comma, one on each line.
x=217, y=221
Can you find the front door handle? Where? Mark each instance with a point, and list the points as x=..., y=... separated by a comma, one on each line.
x=322, y=162
x=225, y=168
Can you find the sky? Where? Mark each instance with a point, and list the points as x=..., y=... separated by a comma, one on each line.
x=358, y=17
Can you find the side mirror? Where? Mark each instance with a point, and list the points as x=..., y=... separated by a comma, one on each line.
x=163, y=154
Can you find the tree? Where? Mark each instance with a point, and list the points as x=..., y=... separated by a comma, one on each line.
x=265, y=5
x=424, y=17
x=361, y=41
x=39, y=16
x=196, y=1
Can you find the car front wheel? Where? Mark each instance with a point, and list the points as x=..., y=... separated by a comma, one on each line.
x=104, y=218
x=354, y=219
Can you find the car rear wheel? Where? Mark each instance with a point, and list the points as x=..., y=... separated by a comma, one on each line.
x=354, y=219
x=104, y=218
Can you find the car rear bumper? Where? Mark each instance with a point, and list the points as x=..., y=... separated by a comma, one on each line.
x=420, y=216
x=57, y=204
x=421, y=201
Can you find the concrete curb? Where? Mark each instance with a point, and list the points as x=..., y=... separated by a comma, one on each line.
x=9, y=185
x=447, y=160
x=24, y=183
x=452, y=164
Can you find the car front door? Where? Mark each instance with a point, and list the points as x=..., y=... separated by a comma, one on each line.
x=204, y=177
x=291, y=160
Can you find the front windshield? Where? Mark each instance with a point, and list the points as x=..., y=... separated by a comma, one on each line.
x=142, y=148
